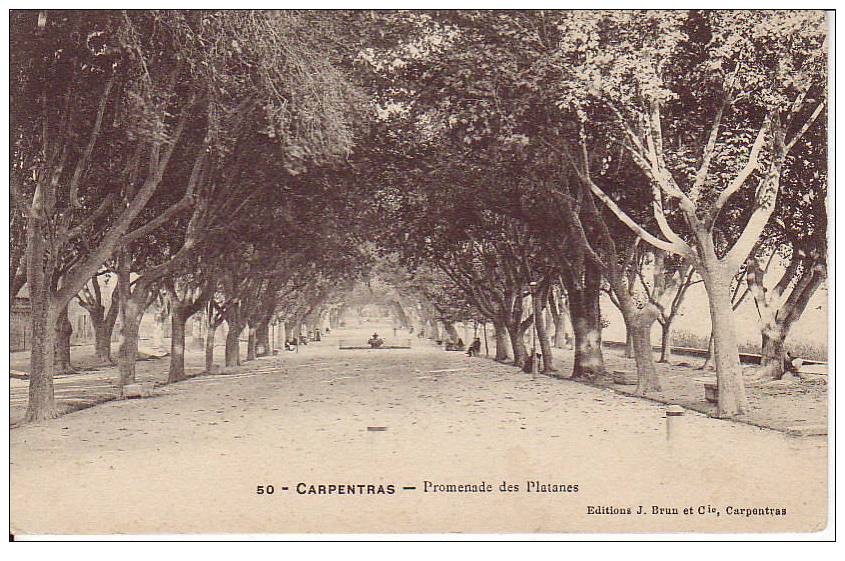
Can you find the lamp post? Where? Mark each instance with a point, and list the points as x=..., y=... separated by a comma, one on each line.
x=533, y=289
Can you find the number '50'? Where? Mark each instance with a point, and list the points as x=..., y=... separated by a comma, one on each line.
x=265, y=490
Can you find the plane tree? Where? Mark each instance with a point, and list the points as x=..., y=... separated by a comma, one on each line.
x=102, y=102
x=796, y=238
x=707, y=105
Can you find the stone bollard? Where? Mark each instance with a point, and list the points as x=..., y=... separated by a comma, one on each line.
x=674, y=422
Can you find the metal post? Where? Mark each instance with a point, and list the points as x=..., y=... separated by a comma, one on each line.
x=674, y=419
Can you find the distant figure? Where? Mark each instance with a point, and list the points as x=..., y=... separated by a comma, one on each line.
x=375, y=341
x=317, y=336
x=394, y=332
x=475, y=348
x=528, y=362
x=328, y=330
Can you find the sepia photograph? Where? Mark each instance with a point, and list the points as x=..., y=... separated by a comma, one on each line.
x=440, y=274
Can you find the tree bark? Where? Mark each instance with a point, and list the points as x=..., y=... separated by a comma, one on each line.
x=281, y=335
x=178, y=319
x=665, y=342
x=131, y=313
x=161, y=321
x=501, y=330
x=647, y=379
x=41, y=404
x=711, y=352
x=102, y=341
x=197, y=331
x=262, y=339
x=543, y=334
x=629, y=343
x=517, y=333
x=586, y=325
x=250, y=343
x=732, y=399
x=64, y=330
x=233, y=344
x=560, y=327
x=451, y=331
x=434, y=330
x=209, y=348
x=773, y=353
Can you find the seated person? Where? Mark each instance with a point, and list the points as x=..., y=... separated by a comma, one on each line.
x=375, y=341
x=475, y=348
x=527, y=368
x=459, y=346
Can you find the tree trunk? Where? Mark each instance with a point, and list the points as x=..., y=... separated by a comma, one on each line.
x=560, y=328
x=233, y=345
x=501, y=330
x=517, y=334
x=178, y=319
x=250, y=343
x=665, y=342
x=262, y=339
x=64, y=330
x=160, y=321
x=773, y=353
x=586, y=326
x=647, y=379
x=209, y=348
x=629, y=343
x=42, y=403
x=103, y=329
x=131, y=313
x=732, y=399
x=451, y=331
x=199, y=323
x=708, y=361
x=543, y=336
x=435, y=330
x=281, y=335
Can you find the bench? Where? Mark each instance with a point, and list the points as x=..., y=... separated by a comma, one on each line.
x=711, y=388
x=345, y=345
x=625, y=378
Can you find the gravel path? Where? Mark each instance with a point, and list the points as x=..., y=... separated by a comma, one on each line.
x=190, y=459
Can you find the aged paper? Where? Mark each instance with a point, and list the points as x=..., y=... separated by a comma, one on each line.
x=426, y=272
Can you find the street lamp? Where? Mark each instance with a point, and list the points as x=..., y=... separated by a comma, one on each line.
x=532, y=286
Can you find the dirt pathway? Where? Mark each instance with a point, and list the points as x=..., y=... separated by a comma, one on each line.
x=190, y=459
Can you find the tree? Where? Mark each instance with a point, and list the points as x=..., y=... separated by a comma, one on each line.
x=147, y=74
x=669, y=284
x=102, y=319
x=798, y=235
x=660, y=75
